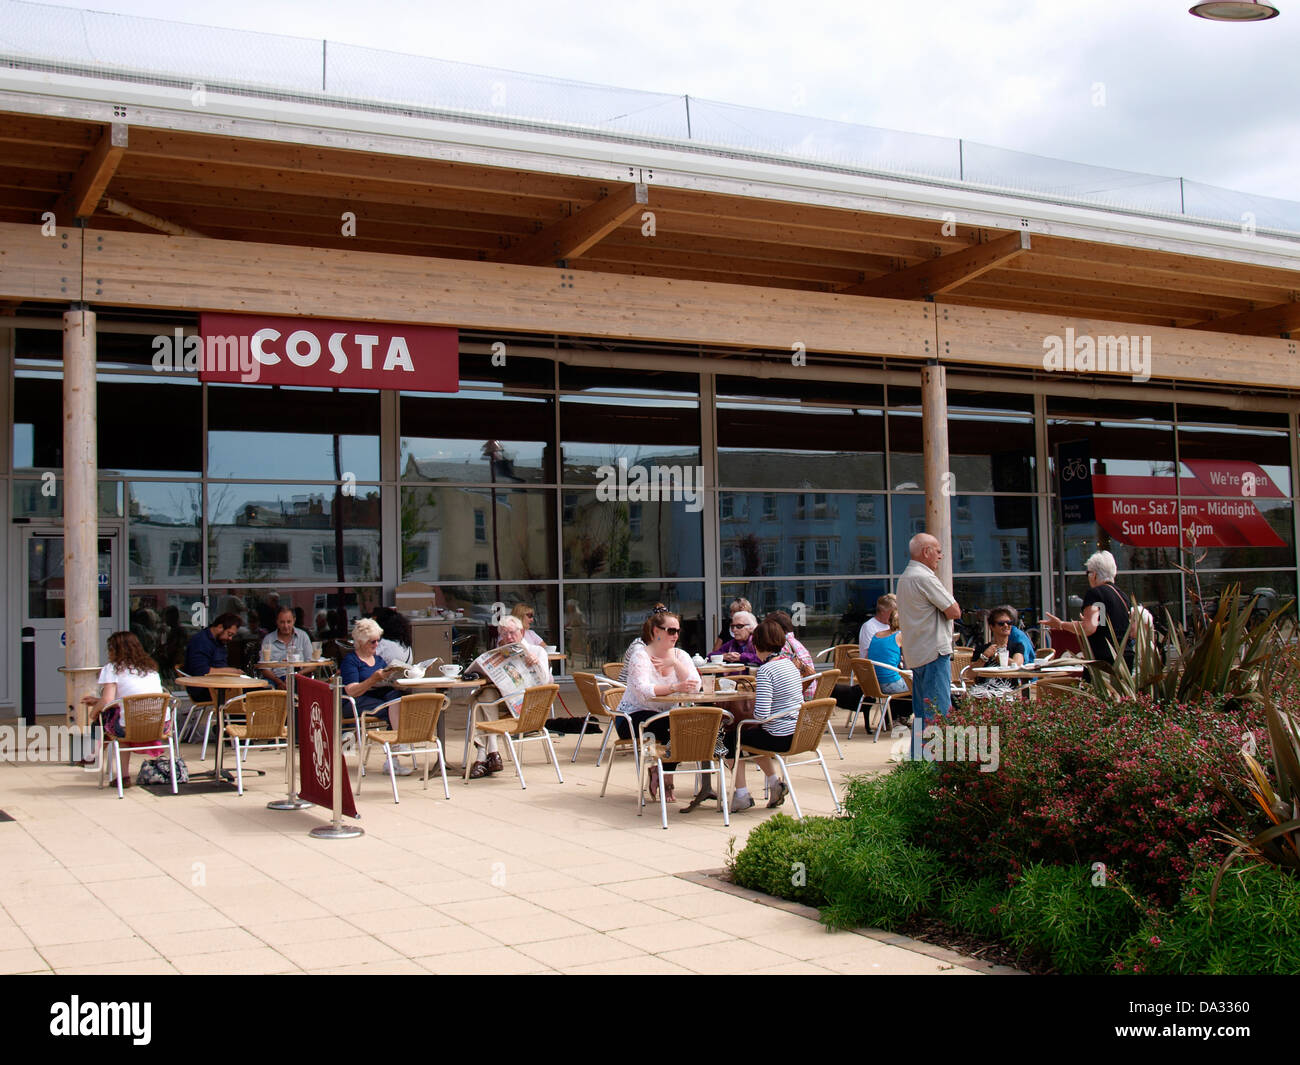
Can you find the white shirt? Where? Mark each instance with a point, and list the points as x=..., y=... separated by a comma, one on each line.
x=131, y=683
x=869, y=629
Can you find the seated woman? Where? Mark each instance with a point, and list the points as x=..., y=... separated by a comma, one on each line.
x=487, y=754
x=395, y=641
x=740, y=648
x=362, y=672
x=796, y=652
x=526, y=614
x=656, y=667
x=1006, y=637
x=778, y=687
x=884, y=647
x=129, y=672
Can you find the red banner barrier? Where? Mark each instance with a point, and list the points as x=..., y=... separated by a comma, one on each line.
x=316, y=747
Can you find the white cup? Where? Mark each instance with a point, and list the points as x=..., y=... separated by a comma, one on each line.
x=1003, y=658
x=552, y=648
x=716, y=659
x=449, y=671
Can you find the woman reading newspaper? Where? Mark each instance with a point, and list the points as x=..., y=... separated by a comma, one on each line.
x=512, y=667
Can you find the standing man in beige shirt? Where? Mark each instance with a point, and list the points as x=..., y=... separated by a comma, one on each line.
x=926, y=611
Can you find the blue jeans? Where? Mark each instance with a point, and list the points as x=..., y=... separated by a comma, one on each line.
x=931, y=695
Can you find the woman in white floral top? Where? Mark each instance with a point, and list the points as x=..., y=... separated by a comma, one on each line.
x=659, y=667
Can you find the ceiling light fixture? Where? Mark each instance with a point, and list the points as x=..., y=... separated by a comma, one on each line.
x=1234, y=11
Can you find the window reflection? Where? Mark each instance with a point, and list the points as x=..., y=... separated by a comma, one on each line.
x=165, y=535
x=990, y=534
x=600, y=620
x=631, y=539
x=478, y=437
x=267, y=533
x=789, y=447
x=987, y=452
x=642, y=431
x=477, y=534
x=777, y=534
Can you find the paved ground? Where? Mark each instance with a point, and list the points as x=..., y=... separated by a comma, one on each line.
x=498, y=880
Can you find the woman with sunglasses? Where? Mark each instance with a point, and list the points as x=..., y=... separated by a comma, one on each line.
x=740, y=648
x=656, y=667
x=363, y=672
x=1006, y=637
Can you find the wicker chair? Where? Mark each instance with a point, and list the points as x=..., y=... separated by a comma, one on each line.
x=264, y=714
x=810, y=725
x=864, y=672
x=826, y=681
x=534, y=712
x=417, y=728
x=611, y=697
x=961, y=658
x=592, y=688
x=144, y=721
x=613, y=670
x=692, y=737
x=841, y=655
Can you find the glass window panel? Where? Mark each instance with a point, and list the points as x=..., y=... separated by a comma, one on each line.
x=165, y=536
x=987, y=453
x=1271, y=588
x=1085, y=407
x=631, y=540
x=1257, y=522
x=611, y=379
x=856, y=395
x=977, y=594
x=1206, y=452
x=448, y=439
x=1193, y=412
x=466, y=534
x=833, y=610
x=112, y=350
x=44, y=498
x=782, y=534
x=328, y=611
x=269, y=533
x=1156, y=591
x=644, y=432
x=517, y=371
x=990, y=534
x=473, y=631
x=602, y=619
x=46, y=587
x=1143, y=455
x=163, y=619
x=259, y=431
x=793, y=447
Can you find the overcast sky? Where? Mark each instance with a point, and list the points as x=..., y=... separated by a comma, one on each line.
x=1131, y=84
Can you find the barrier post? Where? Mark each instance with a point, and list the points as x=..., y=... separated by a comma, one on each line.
x=336, y=829
x=291, y=800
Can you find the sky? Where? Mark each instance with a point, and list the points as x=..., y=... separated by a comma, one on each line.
x=1135, y=85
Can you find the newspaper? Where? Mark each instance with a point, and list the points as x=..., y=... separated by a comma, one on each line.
x=509, y=668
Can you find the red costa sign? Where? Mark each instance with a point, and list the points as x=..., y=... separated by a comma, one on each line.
x=327, y=354
x=1229, y=519
x=316, y=748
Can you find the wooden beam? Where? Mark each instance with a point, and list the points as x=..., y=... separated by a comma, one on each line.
x=570, y=237
x=1002, y=339
x=1262, y=321
x=145, y=218
x=36, y=267
x=945, y=273
x=90, y=181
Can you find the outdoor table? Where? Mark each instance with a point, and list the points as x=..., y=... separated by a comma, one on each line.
x=293, y=668
x=725, y=667
x=1029, y=676
x=447, y=684
x=221, y=684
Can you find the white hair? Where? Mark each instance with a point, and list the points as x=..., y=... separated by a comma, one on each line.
x=510, y=621
x=366, y=629
x=744, y=617
x=1103, y=565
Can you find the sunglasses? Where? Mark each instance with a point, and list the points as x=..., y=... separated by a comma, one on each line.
x=528, y=615
x=671, y=632
x=735, y=627
x=1003, y=624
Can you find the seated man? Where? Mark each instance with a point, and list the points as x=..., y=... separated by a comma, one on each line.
x=287, y=638
x=206, y=652
x=874, y=626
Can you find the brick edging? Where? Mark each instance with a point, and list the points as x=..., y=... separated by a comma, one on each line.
x=715, y=879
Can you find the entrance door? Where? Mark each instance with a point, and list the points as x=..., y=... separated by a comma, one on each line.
x=43, y=603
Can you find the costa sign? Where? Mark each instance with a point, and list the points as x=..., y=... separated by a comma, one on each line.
x=328, y=354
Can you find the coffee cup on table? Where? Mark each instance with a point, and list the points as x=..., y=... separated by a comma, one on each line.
x=449, y=671
x=715, y=659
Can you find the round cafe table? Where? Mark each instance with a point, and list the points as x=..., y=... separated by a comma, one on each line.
x=292, y=669
x=449, y=685
x=221, y=685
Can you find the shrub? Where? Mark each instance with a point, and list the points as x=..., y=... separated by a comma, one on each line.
x=1139, y=787
x=779, y=854
x=975, y=906
x=1068, y=915
x=1253, y=927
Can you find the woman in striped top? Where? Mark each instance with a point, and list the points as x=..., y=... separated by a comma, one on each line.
x=778, y=687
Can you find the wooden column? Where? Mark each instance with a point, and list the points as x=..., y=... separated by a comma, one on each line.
x=80, y=505
x=939, y=484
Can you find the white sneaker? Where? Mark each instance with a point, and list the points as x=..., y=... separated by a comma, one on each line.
x=398, y=768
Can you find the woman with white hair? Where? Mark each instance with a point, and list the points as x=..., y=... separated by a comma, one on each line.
x=740, y=648
x=1105, y=610
x=362, y=672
